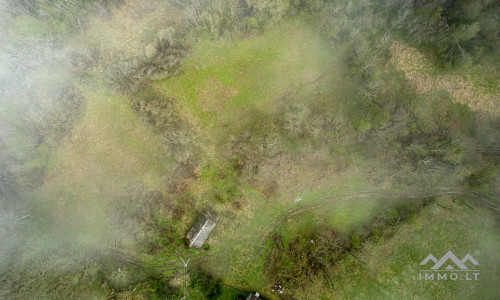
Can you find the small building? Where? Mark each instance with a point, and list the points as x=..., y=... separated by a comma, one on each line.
x=202, y=228
x=253, y=296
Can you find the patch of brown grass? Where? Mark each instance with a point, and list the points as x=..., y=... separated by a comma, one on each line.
x=419, y=72
x=213, y=94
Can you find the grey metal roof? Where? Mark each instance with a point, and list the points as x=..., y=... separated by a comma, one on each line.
x=202, y=228
x=252, y=297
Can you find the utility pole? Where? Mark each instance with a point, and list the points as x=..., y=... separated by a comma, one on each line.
x=185, y=274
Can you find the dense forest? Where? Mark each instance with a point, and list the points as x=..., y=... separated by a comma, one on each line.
x=323, y=132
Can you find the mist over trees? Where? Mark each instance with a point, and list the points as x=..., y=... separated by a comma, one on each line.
x=401, y=138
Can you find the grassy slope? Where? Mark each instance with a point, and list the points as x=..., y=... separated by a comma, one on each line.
x=219, y=83
x=222, y=81
x=391, y=267
x=109, y=149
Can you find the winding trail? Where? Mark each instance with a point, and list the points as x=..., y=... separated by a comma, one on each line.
x=133, y=260
x=388, y=195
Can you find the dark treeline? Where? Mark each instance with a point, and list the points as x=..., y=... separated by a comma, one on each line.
x=454, y=31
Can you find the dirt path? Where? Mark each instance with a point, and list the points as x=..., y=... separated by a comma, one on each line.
x=267, y=229
x=388, y=195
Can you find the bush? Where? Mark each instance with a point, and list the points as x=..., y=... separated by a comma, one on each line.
x=305, y=256
x=223, y=18
x=161, y=290
x=177, y=139
x=206, y=283
x=455, y=31
x=355, y=241
x=218, y=17
x=159, y=60
x=267, y=12
x=52, y=117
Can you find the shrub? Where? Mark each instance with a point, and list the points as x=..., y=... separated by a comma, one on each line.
x=161, y=290
x=482, y=177
x=355, y=241
x=223, y=18
x=267, y=12
x=52, y=117
x=455, y=31
x=218, y=17
x=177, y=139
x=160, y=60
x=206, y=283
x=305, y=256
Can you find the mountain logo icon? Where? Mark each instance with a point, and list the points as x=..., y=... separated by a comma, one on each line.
x=449, y=256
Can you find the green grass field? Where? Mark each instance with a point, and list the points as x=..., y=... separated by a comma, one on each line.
x=222, y=87
x=223, y=81
x=391, y=268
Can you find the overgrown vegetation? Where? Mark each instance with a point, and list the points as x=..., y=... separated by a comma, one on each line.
x=206, y=283
x=43, y=124
x=176, y=136
x=244, y=105
x=159, y=60
x=315, y=254
x=455, y=31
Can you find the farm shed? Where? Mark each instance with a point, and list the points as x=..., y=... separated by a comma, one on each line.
x=202, y=228
x=253, y=296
